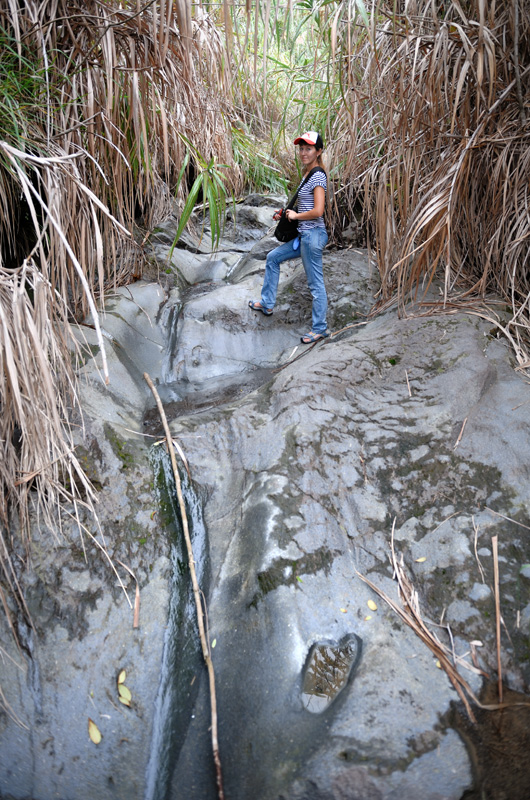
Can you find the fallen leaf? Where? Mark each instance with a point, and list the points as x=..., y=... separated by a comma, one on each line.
x=124, y=693
x=214, y=643
x=421, y=560
x=368, y=617
x=344, y=610
x=121, y=677
x=438, y=664
x=298, y=578
x=371, y=605
x=94, y=732
x=125, y=701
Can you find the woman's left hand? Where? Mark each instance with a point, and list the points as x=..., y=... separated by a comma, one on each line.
x=291, y=214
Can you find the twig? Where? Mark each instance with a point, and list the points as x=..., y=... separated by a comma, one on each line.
x=9, y=711
x=410, y=613
x=408, y=616
x=475, y=528
x=445, y=520
x=460, y=434
x=508, y=518
x=309, y=347
x=136, y=616
x=408, y=384
x=494, y=545
x=196, y=590
x=519, y=90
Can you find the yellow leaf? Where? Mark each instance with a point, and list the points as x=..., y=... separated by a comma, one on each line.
x=421, y=560
x=368, y=617
x=124, y=692
x=121, y=677
x=344, y=610
x=438, y=664
x=371, y=605
x=214, y=643
x=94, y=732
x=124, y=701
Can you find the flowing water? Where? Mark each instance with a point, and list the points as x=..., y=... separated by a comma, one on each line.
x=182, y=658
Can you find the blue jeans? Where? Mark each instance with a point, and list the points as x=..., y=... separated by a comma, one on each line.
x=312, y=243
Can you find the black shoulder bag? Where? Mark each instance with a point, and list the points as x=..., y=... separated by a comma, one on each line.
x=287, y=229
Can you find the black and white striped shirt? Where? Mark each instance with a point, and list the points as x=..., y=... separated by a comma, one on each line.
x=306, y=201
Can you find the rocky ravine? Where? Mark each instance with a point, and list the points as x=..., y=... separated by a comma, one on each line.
x=302, y=466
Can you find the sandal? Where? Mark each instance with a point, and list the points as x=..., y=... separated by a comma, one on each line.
x=311, y=338
x=255, y=306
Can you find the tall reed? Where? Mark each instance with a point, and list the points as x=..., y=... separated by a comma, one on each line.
x=96, y=102
x=434, y=137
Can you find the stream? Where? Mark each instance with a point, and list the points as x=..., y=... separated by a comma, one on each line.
x=311, y=467
x=182, y=656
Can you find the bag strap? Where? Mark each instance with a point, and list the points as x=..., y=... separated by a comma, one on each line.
x=290, y=204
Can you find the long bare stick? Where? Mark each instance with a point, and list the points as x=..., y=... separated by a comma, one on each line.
x=196, y=590
x=495, y=548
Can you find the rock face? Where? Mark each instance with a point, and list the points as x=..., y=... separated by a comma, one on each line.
x=307, y=463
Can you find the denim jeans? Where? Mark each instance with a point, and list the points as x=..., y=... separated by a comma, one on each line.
x=312, y=243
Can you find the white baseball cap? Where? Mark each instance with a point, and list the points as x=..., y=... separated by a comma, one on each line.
x=311, y=137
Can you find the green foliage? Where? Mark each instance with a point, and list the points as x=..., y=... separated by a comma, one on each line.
x=22, y=88
x=290, y=75
x=260, y=171
x=209, y=185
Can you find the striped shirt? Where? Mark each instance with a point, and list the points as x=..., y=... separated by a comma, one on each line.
x=306, y=201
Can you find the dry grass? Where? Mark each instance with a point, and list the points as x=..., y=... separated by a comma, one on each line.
x=409, y=611
x=38, y=455
x=121, y=87
x=96, y=103
x=434, y=138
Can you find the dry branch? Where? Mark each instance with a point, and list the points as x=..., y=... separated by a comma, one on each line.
x=495, y=549
x=411, y=615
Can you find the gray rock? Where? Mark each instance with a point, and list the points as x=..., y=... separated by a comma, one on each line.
x=310, y=464
x=480, y=591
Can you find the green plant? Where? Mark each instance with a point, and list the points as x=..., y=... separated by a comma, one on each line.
x=209, y=185
x=260, y=171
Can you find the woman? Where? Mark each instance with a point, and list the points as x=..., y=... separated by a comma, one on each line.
x=312, y=239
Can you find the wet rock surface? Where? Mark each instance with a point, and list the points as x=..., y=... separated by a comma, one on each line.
x=304, y=459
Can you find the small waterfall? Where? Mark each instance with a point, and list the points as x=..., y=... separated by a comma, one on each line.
x=182, y=656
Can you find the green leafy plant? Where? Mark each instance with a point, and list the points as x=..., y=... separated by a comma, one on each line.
x=261, y=172
x=209, y=185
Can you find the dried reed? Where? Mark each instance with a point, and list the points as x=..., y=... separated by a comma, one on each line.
x=434, y=138
x=95, y=102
